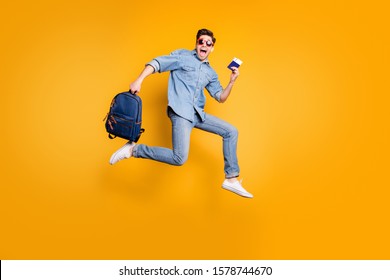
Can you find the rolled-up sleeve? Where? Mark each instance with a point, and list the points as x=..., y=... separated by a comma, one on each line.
x=166, y=62
x=154, y=63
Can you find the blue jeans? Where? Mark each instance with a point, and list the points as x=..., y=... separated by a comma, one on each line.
x=181, y=131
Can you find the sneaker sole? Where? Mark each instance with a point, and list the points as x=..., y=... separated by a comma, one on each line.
x=244, y=194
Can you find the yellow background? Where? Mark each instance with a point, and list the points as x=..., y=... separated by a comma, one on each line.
x=311, y=105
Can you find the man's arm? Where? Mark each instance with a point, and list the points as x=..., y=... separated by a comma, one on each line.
x=227, y=90
x=135, y=86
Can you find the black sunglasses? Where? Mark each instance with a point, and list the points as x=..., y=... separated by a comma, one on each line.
x=209, y=43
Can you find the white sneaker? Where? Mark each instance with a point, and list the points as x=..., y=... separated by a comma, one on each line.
x=236, y=187
x=122, y=153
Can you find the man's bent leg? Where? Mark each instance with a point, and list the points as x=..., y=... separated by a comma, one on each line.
x=181, y=131
x=230, y=136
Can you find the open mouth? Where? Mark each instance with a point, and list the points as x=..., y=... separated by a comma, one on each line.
x=202, y=51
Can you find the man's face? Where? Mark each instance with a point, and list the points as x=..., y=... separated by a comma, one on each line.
x=204, y=46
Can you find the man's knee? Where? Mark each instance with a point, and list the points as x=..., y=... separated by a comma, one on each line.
x=232, y=132
x=179, y=160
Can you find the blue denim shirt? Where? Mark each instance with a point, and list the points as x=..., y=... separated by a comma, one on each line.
x=188, y=78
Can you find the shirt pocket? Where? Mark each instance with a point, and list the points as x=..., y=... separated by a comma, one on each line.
x=188, y=73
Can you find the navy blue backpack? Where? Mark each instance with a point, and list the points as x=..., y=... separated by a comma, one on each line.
x=125, y=117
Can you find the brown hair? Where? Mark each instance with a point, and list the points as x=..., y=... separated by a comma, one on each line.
x=205, y=32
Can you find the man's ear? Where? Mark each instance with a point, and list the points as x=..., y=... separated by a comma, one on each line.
x=212, y=49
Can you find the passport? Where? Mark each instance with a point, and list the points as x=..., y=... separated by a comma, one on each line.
x=235, y=63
